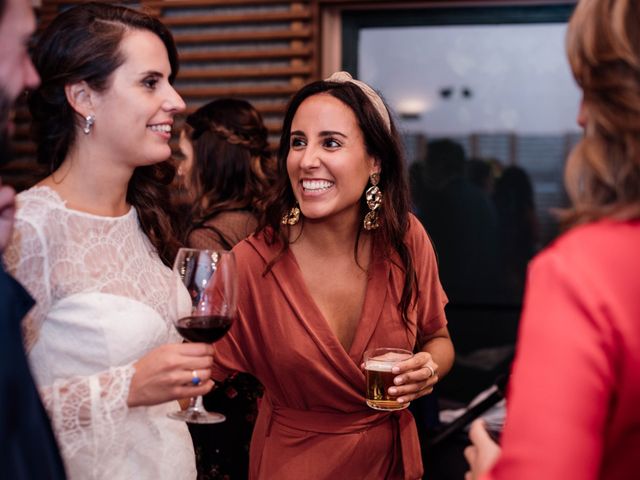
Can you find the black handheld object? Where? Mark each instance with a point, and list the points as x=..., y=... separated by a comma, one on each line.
x=498, y=393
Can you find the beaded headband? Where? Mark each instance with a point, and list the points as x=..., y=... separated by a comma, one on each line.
x=343, y=77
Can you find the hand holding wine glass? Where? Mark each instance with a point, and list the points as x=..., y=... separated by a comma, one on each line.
x=211, y=279
x=165, y=373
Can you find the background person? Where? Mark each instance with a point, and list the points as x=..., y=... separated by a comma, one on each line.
x=327, y=277
x=29, y=450
x=227, y=168
x=462, y=222
x=518, y=228
x=572, y=409
x=89, y=245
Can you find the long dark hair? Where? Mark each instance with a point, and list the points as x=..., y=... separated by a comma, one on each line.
x=232, y=165
x=380, y=142
x=83, y=44
x=603, y=171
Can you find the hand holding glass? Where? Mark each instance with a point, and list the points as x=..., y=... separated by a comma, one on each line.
x=211, y=279
x=378, y=363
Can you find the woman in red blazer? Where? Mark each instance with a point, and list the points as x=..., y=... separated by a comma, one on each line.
x=574, y=392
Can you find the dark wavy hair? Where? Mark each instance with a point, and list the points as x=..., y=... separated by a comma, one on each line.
x=83, y=44
x=232, y=165
x=381, y=143
x=603, y=171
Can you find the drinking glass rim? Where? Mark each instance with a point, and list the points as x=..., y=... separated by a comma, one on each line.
x=389, y=349
x=368, y=354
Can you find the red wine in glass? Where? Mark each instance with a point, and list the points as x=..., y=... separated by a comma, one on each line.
x=210, y=278
x=207, y=329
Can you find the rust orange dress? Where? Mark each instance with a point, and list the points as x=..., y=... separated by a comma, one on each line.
x=313, y=421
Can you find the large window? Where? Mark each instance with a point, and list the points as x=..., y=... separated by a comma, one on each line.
x=486, y=103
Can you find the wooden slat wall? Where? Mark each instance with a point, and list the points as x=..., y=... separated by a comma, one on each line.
x=258, y=50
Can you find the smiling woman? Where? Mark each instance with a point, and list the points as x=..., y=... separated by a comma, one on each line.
x=338, y=266
x=140, y=97
x=89, y=245
x=328, y=164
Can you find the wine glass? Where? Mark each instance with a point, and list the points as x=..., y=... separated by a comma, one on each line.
x=211, y=279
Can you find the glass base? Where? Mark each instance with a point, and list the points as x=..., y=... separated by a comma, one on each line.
x=386, y=405
x=197, y=416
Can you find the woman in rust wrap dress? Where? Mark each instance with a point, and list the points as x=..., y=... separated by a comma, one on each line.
x=327, y=277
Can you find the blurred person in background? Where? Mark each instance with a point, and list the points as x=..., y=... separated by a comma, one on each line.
x=518, y=228
x=462, y=222
x=480, y=173
x=227, y=168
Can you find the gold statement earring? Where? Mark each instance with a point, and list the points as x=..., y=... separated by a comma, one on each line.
x=292, y=217
x=89, y=120
x=373, y=195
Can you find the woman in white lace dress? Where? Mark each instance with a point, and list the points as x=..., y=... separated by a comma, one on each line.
x=89, y=244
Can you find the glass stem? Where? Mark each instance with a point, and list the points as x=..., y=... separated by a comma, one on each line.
x=195, y=404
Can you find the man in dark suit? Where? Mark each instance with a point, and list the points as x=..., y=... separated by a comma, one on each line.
x=27, y=446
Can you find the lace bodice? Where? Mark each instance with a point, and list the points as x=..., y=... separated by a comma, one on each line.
x=104, y=300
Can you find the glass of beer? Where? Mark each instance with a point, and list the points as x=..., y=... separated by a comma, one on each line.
x=378, y=363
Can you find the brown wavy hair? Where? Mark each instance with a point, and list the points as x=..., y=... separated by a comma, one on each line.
x=232, y=166
x=602, y=175
x=380, y=142
x=83, y=44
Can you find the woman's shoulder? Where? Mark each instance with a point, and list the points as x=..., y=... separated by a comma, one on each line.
x=43, y=194
x=35, y=205
x=418, y=243
x=254, y=245
x=257, y=251
x=239, y=222
x=415, y=227
x=239, y=214
x=224, y=230
x=601, y=239
x=590, y=254
x=416, y=236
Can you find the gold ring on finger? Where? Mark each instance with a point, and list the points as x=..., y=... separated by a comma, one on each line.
x=431, y=369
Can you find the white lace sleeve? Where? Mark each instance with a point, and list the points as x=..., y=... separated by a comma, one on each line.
x=25, y=259
x=89, y=411
x=85, y=411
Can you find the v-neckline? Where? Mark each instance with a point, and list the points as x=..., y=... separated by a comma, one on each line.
x=377, y=279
